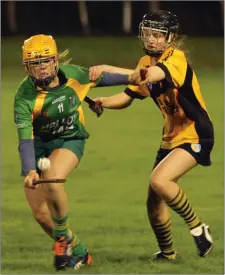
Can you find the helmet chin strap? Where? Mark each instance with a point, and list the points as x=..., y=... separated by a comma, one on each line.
x=170, y=38
x=152, y=53
x=43, y=83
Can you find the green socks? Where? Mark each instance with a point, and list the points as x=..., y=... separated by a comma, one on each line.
x=78, y=249
x=61, y=228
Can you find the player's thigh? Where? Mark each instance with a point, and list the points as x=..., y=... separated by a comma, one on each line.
x=161, y=154
x=173, y=166
x=153, y=199
x=37, y=202
x=65, y=159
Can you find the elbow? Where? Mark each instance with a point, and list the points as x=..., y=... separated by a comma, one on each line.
x=128, y=103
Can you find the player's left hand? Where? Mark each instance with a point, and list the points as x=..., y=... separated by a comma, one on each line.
x=96, y=71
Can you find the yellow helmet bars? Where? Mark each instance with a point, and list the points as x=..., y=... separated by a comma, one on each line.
x=39, y=46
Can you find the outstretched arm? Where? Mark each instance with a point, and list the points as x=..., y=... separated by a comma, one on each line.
x=106, y=75
x=96, y=71
x=146, y=75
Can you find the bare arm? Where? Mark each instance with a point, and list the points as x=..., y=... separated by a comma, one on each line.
x=118, y=101
x=152, y=74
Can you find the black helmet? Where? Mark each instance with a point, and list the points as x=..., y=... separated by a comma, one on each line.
x=162, y=21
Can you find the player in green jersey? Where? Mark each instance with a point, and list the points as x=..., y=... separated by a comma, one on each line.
x=50, y=124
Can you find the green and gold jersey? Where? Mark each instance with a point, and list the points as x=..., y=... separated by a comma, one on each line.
x=55, y=113
x=180, y=100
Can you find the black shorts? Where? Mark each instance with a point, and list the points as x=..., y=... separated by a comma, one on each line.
x=201, y=152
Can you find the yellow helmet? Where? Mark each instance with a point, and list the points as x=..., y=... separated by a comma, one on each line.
x=41, y=51
x=39, y=46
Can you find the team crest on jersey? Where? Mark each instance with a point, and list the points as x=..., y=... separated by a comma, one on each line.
x=73, y=100
x=196, y=147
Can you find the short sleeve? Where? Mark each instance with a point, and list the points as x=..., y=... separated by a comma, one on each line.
x=174, y=66
x=135, y=91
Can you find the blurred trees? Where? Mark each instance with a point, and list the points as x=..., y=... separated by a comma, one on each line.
x=106, y=17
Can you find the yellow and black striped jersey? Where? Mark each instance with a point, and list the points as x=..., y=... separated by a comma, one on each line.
x=179, y=98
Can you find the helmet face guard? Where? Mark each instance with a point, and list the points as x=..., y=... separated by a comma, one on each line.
x=40, y=58
x=42, y=71
x=159, y=24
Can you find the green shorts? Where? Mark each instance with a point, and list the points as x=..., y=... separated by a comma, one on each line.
x=44, y=149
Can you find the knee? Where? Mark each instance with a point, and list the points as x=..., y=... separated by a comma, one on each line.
x=42, y=217
x=53, y=188
x=157, y=182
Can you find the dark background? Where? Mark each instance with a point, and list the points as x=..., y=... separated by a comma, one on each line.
x=197, y=18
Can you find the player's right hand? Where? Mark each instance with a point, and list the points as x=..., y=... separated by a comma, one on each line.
x=30, y=178
x=139, y=76
x=96, y=71
x=96, y=106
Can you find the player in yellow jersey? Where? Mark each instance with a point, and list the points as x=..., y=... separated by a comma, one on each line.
x=50, y=123
x=165, y=76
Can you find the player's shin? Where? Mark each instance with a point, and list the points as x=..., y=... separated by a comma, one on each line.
x=164, y=237
x=57, y=201
x=182, y=206
x=160, y=222
x=175, y=198
x=46, y=224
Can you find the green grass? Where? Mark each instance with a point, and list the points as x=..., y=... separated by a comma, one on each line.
x=107, y=192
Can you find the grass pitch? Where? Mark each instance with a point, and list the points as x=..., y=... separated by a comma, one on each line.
x=107, y=192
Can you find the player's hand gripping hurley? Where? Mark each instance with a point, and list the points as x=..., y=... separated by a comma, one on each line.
x=96, y=107
x=44, y=164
